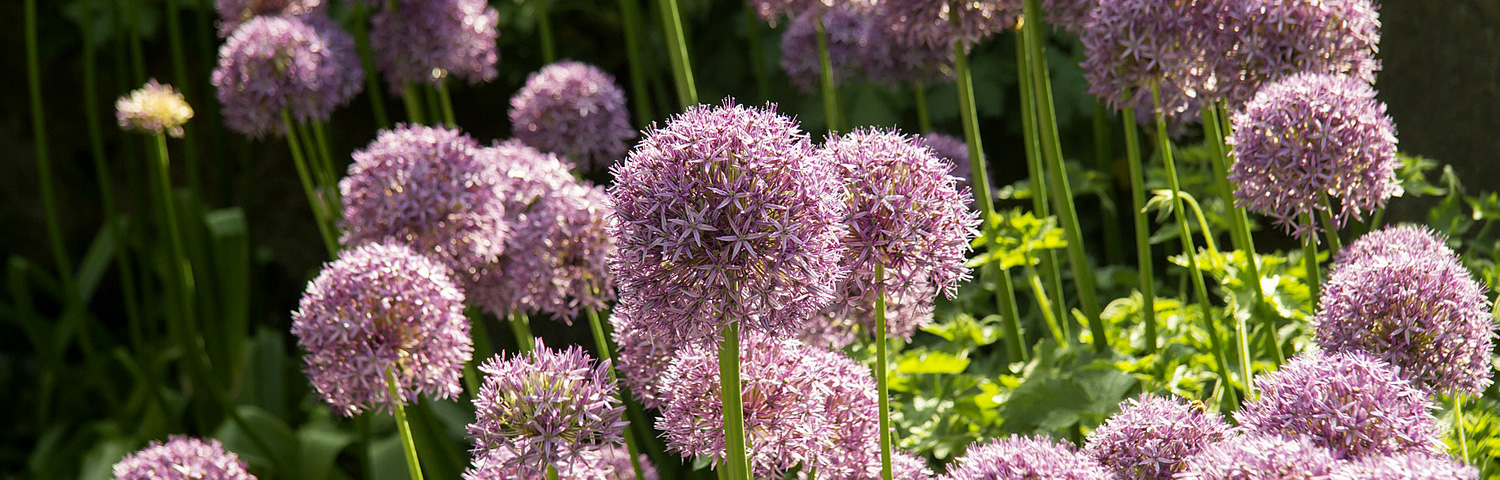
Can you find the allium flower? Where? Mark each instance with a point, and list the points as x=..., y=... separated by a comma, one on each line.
x=425, y=41
x=560, y=251
x=1256, y=456
x=430, y=188
x=1025, y=457
x=641, y=356
x=1151, y=436
x=234, y=12
x=379, y=310
x=956, y=151
x=613, y=462
x=782, y=399
x=891, y=63
x=1351, y=403
x=1309, y=140
x=1130, y=45
x=608, y=463
x=908, y=308
x=1068, y=15
x=298, y=64
x=547, y=407
x=1409, y=466
x=154, y=109
x=182, y=458
x=1419, y=310
x=774, y=10
x=905, y=466
x=851, y=408
x=939, y=23
x=575, y=110
x=799, y=47
x=526, y=177
x=1394, y=240
x=1284, y=37
x=726, y=215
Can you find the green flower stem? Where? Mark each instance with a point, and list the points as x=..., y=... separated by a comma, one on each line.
x=520, y=325
x=184, y=83
x=882, y=372
x=413, y=101
x=606, y=352
x=1037, y=173
x=1458, y=425
x=1010, y=314
x=730, y=394
x=630, y=16
x=1114, y=253
x=1045, y=305
x=331, y=179
x=544, y=30
x=433, y=103
x=757, y=56
x=1310, y=257
x=413, y=466
x=924, y=117
x=1330, y=229
x=372, y=83
x=184, y=269
x=682, y=70
x=305, y=175
x=830, y=89
x=1239, y=223
x=321, y=172
x=1142, y=228
x=44, y=161
x=446, y=103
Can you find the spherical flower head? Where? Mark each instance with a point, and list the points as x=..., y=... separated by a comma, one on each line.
x=560, y=248
x=1151, y=436
x=1256, y=456
x=725, y=214
x=888, y=62
x=546, y=407
x=851, y=408
x=234, y=12
x=610, y=462
x=613, y=462
x=641, y=357
x=575, y=110
x=1285, y=37
x=1394, y=240
x=1407, y=466
x=1353, y=404
x=956, y=151
x=425, y=41
x=940, y=23
x=1025, y=457
x=1420, y=311
x=182, y=458
x=381, y=310
x=908, y=308
x=153, y=109
x=782, y=400
x=301, y=65
x=1068, y=15
x=1131, y=45
x=526, y=177
x=1309, y=140
x=799, y=47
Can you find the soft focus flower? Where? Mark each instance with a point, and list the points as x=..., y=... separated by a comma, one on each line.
x=546, y=407
x=560, y=250
x=782, y=400
x=425, y=41
x=575, y=110
x=1257, y=456
x=1393, y=240
x=1018, y=457
x=607, y=463
x=381, y=309
x=182, y=458
x=1068, y=15
x=1408, y=466
x=1130, y=45
x=430, y=188
x=298, y=64
x=953, y=149
x=850, y=407
x=893, y=63
x=1309, y=140
x=613, y=462
x=799, y=47
x=1413, y=305
x=1285, y=37
x=1351, y=403
x=773, y=11
x=155, y=109
x=234, y=12
x=641, y=357
x=1151, y=436
x=526, y=177
x=905, y=466
x=939, y=23
x=725, y=215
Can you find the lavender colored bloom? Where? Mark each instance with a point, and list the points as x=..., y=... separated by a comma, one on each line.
x=1408, y=466
x=1130, y=45
x=153, y=108
x=1309, y=140
x=1257, y=456
x=297, y=64
x=430, y=188
x=773, y=11
x=575, y=110
x=891, y=63
x=799, y=47
x=725, y=215
x=1285, y=37
x=940, y=23
x=956, y=151
x=1351, y=403
x=608, y=463
x=1025, y=457
x=559, y=250
x=425, y=41
x=1151, y=436
x=527, y=176
x=851, y=408
x=382, y=310
x=905, y=466
x=182, y=458
x=1395, y=240
x=1069, y=15
x=908, y=308
x=783, y=402
x=1418, y=309
x=234, y=12
x=547, y=407
x=613, y=462
x=641, y=356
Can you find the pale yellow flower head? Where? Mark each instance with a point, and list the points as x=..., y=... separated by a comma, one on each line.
x=154, y=108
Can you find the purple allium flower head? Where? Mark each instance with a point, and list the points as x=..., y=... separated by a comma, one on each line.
x=299, y=64
x=234, y=12
x=381, y=309
x=799, y=47
x=1408, y=466
x=1025, y=457
x=1151, y=436
x=851, y=408
x=892, y=63
x=154, y=108
x=430, y=188
x=575, y=110
x=527, y=176
x=1351, y=403
x=1414, y=307
x=1256, y=456
x=956, y=151
x=613, y=462
x=546, y=407
x=182, y=458
x=725, y=214
x=1068, y=15
x=560, y=250
x=1284, y=37
x=1309, y=140
x=641, y=356
x=424, y=41
x=1395, y=240
x=783, y=401
x=905, y=466
x=1130, y=45
x=908, y=308
x=939, y=23
x=610, y=462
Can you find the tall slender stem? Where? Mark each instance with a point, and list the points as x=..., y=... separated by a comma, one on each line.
x=1037, y=172
x=682, y=69
x=44, y=161
x=1045, y=305
x=924, y=117
x=174, y=231
x=881, y=374
x=757, y=55
x=185, y=84
x=303, y=173
x=730, y=394
x=1145, y=264
x=1310, y=256
x=1458, y=424
x=367, y=60
x=544, y=30
x=445, y=103
x=601, y=341
x=830, y=89
x=630, y=16
x=520, y=325
x=409, y=446
x=413, y=101
x=1239, y=224
x=1010, y=313
x=1114, y=253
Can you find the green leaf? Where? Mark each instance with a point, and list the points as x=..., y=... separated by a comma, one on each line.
x=321, y=443
x=229, y=242
x=919, y=362
x=285, y=448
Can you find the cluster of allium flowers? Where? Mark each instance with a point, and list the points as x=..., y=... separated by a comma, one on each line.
x=182, y=458
x=1308, y=141
x=783, y=403
x=546, y=407
x=1285, y=37
x=1406, y=466
x=153, y=108
x=382, y=310
x=799, y=47
x=425, y=41
x=560, y=250
x=641, y=356
x=1395, y=240
x=908, y=308
x=891, y=63
x=575, y=110
x=956, y=151
x=940, y=23
x=1131, y=45
x=1151, y=436
x=526, y=177
x=851, y=408
x=301, y=65
x=430, y=188
x=1068, y=15
x=1025, y=457
x=1257, y=456
x=610, y=462
x=1418, y=309
x=726, y=215
x=1351, y=403
x=234, y=12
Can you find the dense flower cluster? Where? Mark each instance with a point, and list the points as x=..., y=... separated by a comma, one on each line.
x=559, y=252
x=301, y=65
x=1284, y=37
x=1394, y=240
x=851, y=408
x=1151, y=436
x=1256, y=456
x=381, y=310
x=425, y=41
x=153, y=108
x=953, y=149
x=1068, y=15
x=1408, y=466
x=1025, y=457
x=234, y=12
x=938, y=24
x=182, y=458
x=1131, y=45
x=641, y=356
x=527, y=177
x=607, y=463
x=575, y=110
x=799, y=47
x=889, y=62
x=853, y=313
x=1309, y=140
